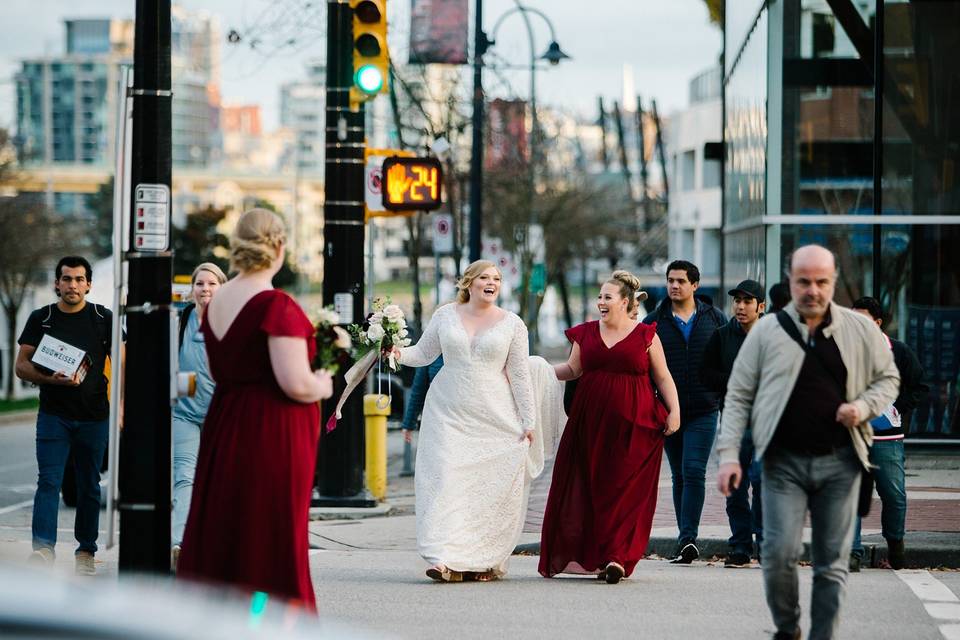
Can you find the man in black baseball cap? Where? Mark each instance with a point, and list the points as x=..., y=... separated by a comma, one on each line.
x=718, y=357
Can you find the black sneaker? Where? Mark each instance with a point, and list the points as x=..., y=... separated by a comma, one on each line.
x=686, y=554
x=786, y=635
x=854, y=563
x=737, y=559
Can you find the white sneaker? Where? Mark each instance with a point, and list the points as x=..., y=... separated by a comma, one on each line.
x=42, y=557
x=84, y=565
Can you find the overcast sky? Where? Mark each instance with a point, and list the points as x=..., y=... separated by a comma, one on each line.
x=664, y=42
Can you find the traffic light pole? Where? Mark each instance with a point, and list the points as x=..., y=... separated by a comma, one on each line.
x=340, y=462
x=476, y=155
x=145, y=463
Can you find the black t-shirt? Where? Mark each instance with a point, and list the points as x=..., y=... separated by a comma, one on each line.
x=809, y=422
x=88, y=329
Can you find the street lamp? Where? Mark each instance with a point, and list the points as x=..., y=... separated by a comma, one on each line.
x=553, y=55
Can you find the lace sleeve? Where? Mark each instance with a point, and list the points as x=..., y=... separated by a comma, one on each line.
x=518, y=373
x=427, y=348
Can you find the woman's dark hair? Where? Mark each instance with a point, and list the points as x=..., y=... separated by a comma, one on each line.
x=73, y=262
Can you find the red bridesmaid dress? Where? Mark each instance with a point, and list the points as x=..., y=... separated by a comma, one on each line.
x=607, y=470
x=251, y=496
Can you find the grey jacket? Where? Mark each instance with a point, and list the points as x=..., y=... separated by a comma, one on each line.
x=767, y=368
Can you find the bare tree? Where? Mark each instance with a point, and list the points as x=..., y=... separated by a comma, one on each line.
x=28, y=240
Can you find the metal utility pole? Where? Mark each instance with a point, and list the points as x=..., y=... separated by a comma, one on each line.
x=340, y=460
x=644, y=175
x=144, y=469
x=662, y=153
x=602, y=121
x=476, y=156
x=622, y=144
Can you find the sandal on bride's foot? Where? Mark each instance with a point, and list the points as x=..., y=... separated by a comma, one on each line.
x=441, y=573
x=613, y=573
x=486, y=576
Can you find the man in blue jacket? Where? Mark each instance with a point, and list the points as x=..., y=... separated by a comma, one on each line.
x=685, y=325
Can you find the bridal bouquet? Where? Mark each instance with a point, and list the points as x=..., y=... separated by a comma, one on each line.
x=333, y=342
x=383, y=330
x=373, y=344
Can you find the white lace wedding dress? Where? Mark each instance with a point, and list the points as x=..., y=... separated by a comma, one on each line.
x=472, y=466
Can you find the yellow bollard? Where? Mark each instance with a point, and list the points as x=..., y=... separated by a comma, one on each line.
x=376, y=408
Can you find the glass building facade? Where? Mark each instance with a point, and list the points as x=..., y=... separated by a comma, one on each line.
x=842, y=128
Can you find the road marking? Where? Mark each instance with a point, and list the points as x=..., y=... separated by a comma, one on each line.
x=16, y=507
x=940, y=602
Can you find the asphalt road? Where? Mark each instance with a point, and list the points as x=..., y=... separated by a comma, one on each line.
x=369, y=577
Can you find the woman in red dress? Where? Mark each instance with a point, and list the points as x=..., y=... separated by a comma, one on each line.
x=607, y=470
x=248, y=517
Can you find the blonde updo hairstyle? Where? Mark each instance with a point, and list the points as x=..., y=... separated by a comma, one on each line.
x=256, y=240
x=471, y=273
x=629, y=285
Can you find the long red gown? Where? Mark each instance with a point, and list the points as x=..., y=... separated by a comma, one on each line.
x=606, y=473
x=247, y=525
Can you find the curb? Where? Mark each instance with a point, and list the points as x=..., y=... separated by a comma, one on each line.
x=18, y=417
x=350, y=513
x=925, y=549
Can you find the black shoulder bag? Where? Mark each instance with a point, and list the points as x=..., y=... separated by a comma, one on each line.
x=866, y=476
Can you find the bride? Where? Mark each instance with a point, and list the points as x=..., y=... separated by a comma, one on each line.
x=474, y=453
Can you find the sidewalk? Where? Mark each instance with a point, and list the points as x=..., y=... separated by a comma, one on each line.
x=933, y=516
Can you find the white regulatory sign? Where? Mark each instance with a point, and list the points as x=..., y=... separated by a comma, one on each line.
x=373, y=183
x=442, y=233
x=343, y=305
x=151, y=226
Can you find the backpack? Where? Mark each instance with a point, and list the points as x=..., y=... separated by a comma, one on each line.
x=184, y=321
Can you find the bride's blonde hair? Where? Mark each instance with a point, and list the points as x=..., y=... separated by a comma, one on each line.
x=470, y=274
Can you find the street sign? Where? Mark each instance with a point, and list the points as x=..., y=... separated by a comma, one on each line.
x=373, y=184
x=412, y=184
x=442, y=233
x=152, y=217
x=373, y=181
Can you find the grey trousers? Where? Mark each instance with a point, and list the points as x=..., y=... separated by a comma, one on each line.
x=828, y=487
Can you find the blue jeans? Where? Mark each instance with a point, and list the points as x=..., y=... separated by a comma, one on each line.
x=746, y=520
x=890, y=481
x=828, y=487
x=186, y=443
x=55, y=437
x=687, y=452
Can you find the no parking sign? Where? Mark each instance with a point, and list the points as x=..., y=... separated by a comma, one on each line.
x=442, y=233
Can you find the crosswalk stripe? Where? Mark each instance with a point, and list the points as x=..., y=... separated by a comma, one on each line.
x=15, y=507
x=940, y=602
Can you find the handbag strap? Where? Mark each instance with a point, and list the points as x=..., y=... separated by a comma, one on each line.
x=791, y=328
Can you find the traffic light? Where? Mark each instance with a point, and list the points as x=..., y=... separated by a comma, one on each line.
x=371, y=60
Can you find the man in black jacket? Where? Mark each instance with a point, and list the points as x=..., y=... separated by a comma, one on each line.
x=718, y=358
x=886, y=454
x=684, y=325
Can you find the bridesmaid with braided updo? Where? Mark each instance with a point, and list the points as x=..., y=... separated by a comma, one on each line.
x=606, y=473
x=251, y=497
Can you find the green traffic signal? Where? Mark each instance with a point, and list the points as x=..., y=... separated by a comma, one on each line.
x=369, y=79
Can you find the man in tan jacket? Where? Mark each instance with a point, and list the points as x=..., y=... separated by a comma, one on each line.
x=808, y=384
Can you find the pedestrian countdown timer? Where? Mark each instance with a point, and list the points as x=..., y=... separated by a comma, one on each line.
x=412, y=184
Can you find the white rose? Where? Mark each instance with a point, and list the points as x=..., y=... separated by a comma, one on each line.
x=393, y=313
x=343, y=340
x=405, y=342
x=375, y=333
x=376, y=318
x=402, y=333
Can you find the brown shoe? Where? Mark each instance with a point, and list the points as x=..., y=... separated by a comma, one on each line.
x=84, y=565
x=42, y=557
